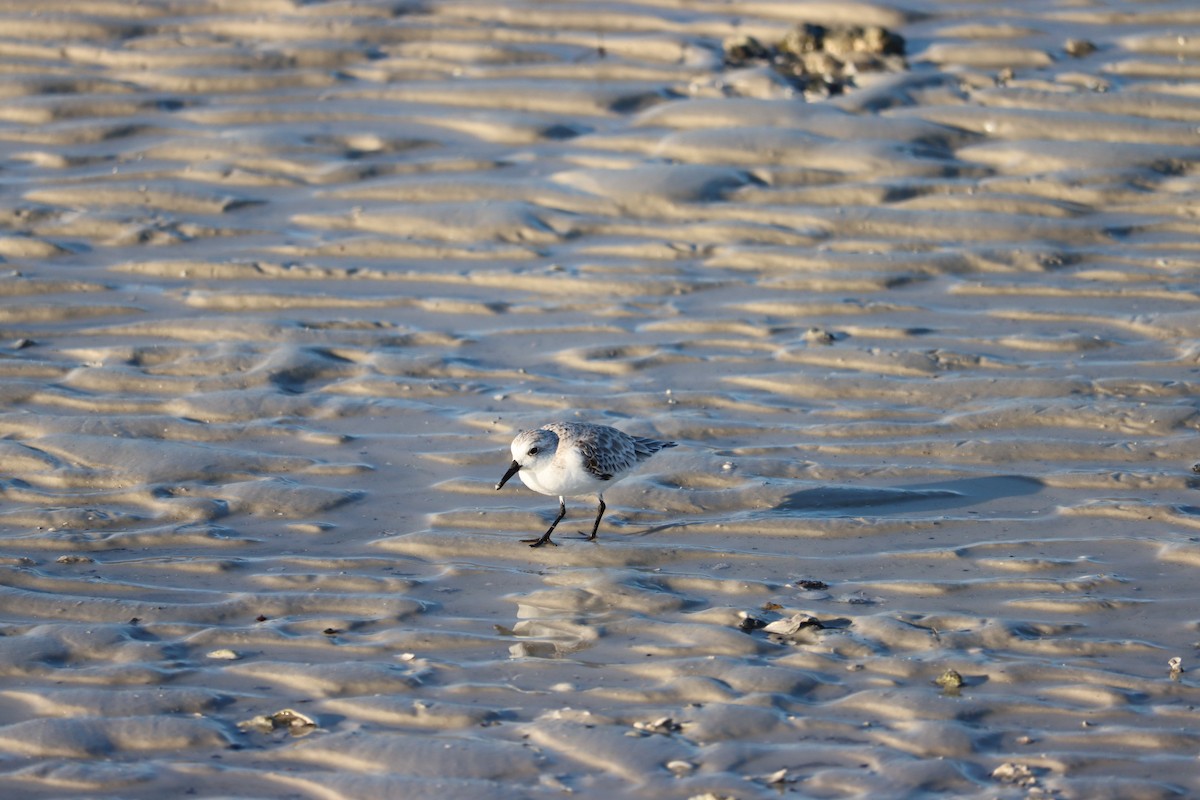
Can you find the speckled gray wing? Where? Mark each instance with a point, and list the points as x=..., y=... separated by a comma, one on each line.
x=611, y=455
x=644, y=448
x=606, y=455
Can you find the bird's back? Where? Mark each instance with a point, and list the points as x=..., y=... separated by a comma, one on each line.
x=606, y=452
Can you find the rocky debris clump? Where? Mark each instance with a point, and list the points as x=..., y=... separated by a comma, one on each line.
x=822, y=61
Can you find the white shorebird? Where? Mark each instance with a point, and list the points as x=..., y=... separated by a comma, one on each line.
x=570, y=459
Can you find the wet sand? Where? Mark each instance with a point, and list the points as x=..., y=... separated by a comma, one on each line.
x=281, y=280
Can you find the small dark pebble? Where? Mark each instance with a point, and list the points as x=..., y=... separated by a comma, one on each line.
x=261, y=618
x=819, y=336
x=331, y=631
x=134, y=620
x=1196, y=468
x=750, y=624
x=809, y=585
x=1079, y=48
x=748, y=49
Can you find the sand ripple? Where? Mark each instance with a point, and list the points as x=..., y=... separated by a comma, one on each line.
x=281, y=279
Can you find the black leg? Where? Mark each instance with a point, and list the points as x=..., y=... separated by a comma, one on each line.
x=596, y=524
x=562, y=512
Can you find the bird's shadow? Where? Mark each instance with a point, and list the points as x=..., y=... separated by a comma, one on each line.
x=882, y=501
x=838, y=501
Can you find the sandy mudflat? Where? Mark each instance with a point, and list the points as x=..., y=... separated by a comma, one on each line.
x=281, y=279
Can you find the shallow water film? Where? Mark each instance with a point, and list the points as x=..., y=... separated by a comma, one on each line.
x=914, y=288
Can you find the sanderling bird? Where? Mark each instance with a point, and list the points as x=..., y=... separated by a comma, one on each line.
x=570, y=459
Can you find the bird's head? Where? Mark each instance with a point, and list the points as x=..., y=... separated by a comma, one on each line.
x=529, y=449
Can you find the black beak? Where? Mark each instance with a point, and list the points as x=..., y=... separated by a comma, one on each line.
x=512, y=470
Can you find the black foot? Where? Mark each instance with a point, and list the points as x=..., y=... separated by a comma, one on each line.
x=586, y=537
x=540, y=542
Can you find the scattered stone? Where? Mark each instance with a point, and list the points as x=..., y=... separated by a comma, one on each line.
x=822, y=61
x=681, y=768
x=818, y=336
x=792, y=625
x=535, y=650
x=663, y=725
x=739, y=51
x=224, y=654
x=778, y=778
x=1016, y=774
x=73, y=559
x=554, y=782
x=771, y=606
x=749, y=623
x=1196, y=468
x=712, y=796
x=293, y=722
x=1079, y=48
x=331, y=631
x=810, y=585
x=950, y=679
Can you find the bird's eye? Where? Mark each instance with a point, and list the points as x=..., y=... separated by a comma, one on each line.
x=533, y=451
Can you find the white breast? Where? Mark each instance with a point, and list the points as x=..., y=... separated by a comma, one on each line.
x=563, y=475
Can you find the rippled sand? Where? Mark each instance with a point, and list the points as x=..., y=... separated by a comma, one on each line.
x=282, y=279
